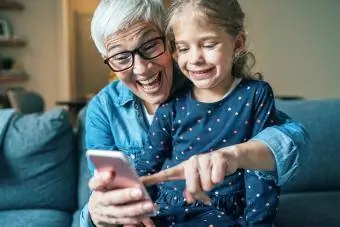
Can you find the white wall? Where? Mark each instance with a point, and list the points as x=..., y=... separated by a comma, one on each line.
x=39, y=23
x=296, y=43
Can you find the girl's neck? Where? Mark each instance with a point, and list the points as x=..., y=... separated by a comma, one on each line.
x=214, y=94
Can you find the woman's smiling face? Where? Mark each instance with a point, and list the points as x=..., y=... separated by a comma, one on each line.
x=149, y=79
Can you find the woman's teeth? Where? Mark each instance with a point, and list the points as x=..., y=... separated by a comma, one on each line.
x=150, y=80
x=151, y=84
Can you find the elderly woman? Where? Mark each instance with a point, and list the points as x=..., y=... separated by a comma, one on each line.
x=130, y=36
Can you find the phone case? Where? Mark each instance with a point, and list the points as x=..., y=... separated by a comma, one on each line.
x=125, y=174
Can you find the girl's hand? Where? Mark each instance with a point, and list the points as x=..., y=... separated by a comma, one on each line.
x=201, y=173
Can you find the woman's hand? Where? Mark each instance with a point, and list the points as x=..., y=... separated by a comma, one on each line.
x=201, y=172
x=110, y=207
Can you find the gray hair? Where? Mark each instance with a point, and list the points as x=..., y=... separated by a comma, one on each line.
x=112, y=16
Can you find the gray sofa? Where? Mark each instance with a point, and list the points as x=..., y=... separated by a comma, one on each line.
x=43, y=171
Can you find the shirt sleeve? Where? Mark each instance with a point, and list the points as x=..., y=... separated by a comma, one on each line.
x=261, y=194
x=97, y=136
x=158, y=147
x=289, y=142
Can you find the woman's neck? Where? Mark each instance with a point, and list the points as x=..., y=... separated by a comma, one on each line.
x=214, y=94
x=150, y=108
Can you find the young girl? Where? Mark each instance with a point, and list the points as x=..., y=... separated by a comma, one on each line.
x=222, y=106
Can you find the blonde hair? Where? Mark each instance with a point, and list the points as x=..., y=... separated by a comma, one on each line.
x=225, y=14
x=112, y=16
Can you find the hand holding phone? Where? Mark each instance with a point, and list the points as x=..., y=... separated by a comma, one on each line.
x=125, y=174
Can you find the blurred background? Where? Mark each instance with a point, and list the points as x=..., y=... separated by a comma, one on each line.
x=48, y=48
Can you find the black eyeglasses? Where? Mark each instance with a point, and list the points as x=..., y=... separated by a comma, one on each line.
x=151, y=49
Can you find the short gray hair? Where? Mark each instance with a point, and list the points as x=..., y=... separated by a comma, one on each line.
x=112, y=16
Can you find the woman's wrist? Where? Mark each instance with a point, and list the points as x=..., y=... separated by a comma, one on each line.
x=255, y=155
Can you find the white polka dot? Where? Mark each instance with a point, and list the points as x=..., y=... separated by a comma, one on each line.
x=209, y=129
x=246, y=122
x=219, y=216
x=175, y=197
x=177, y=99
x=150, y=147
x=216, y=193
x=218, y=120
x=239, y=173
x=186, y=209
x=164, y=116
x=248, y=171
x=179, y=121
x=190, y=148
x=258, y=121
x=190, y=129
x=235, y=203
x=229, y=109
x=236, y=114
x=198, y=138
x=257, y=195
x=270, y=187
x=230, y=183
x=248, y=87
x=183, y=107
x=148, y=162
x=181, y=137
x=268, y=113
x=182, y=152
x=249, y=187
x=267, y=204
x=248, y=104
x=132, y=156
x=224, y=140
x=188, y=114
x=209, y=111
x=163, y=129
x=239, y=98
x=254, y=210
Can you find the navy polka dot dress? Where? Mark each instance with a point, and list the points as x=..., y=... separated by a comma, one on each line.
x=184, y=127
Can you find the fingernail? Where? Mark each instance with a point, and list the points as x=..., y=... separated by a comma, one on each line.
x=136, y=193
x=207, y=203
x=105, y=175
x=148, y=206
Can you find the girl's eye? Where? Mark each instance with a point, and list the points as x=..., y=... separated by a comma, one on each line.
x=209, y=45
x=182, y=49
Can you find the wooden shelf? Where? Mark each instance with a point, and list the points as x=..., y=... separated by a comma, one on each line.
x=12, y=43
x=13, y=79
x=10, y=5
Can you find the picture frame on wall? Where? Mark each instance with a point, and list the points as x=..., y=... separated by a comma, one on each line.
x=5, y=29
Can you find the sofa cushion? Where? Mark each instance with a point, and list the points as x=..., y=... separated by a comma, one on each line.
x=35, y=218
x=321, y=170
x=309, y=209
x=38, y=165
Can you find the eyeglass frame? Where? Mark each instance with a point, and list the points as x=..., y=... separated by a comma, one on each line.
x=133, y=53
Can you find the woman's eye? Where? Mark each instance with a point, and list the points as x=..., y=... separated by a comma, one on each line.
x=121, y=57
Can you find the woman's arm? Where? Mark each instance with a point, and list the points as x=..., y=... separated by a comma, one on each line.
x=285, y=141
x=107, y=205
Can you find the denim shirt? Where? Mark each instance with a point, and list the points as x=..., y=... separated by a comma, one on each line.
x=115, y=121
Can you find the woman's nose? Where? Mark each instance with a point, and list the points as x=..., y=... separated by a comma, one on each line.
x=140, y=65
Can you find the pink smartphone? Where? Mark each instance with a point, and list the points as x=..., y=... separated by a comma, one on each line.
x=125, y=174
